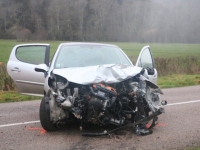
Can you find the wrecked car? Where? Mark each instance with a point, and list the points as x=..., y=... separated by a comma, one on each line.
x=89, y=83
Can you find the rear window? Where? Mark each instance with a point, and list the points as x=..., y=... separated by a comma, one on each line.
x=31, y=54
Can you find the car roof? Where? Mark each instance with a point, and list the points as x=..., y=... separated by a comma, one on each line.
x=88, y=43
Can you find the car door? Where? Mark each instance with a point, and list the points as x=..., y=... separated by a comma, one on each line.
x=145, y=60
x=21, y=67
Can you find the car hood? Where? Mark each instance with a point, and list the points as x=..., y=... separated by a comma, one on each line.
x=96, y=74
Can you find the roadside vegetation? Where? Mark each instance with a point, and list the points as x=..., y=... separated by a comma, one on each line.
x=178, y=80
x=177, y=64
x=13, y=96
x=194, y=148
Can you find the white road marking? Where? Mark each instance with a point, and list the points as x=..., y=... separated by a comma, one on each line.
x=181, y=103
x=37, y=121
x=16, y=124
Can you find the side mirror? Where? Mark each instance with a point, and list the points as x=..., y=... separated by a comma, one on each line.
x=150, y=70
x=41, y=68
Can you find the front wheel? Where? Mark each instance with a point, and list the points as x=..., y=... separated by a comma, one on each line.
x=143, y=113
x=45, y=115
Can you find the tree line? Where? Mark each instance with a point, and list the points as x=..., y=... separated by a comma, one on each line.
x=170, y=21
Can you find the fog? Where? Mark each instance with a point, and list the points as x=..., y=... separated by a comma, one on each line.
x=166, y=21
x=173, y=21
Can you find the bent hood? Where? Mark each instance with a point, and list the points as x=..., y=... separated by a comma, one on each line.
x=96, y=74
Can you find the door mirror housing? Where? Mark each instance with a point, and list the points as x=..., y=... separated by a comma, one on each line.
x=150, y=70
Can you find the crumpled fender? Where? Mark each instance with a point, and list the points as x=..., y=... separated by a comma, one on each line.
x=151, y=84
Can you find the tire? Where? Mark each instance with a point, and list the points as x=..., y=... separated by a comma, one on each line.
x=142, y=113
x=45, y=115
x=152, y=122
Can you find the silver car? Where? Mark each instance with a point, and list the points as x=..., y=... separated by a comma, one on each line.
x=75, y=73
x=25, y=58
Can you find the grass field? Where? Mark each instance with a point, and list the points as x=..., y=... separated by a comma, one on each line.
x=131, y=49
x=13, y=96
x=178, y=80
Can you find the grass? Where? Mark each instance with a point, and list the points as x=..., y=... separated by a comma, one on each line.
x=6, y=47
x=194, y=148
x=159, y=50
x=131, y=49
x=13, y=96
x=178, y=80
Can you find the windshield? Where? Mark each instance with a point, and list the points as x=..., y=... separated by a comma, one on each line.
x=89, y=55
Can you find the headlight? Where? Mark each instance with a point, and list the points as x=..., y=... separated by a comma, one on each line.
x=61, y=82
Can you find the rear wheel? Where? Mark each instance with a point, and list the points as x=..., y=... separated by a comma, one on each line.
x=45, y=115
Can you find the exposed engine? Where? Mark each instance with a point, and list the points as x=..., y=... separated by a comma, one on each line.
x=101, y=103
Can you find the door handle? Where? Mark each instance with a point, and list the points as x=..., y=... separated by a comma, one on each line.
x=16, y=69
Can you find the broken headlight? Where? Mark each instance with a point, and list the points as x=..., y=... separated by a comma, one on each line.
x=61, y=82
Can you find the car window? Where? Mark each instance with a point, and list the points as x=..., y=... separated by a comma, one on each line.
x=31, y=54
x=146, y=59
x=89, y=55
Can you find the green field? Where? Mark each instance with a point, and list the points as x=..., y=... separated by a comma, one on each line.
x=179, y=52
x=131, y=49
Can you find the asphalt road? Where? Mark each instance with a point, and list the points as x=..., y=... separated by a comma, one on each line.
x=178, y=128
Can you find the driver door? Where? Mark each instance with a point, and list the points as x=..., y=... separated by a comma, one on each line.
x=21, y=67
x=145, y=60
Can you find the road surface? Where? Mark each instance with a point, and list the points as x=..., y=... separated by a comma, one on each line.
x=178, y=128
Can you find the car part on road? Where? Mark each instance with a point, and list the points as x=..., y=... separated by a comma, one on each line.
x=139, y=132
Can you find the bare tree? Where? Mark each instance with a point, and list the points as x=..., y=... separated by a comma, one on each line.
x=94, y=20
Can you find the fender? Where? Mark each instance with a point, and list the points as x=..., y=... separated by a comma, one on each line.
x=151, y=84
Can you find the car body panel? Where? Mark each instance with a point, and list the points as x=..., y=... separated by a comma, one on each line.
x=145, y=60
x=27, y=80
x=95, y=74
x=30, y=82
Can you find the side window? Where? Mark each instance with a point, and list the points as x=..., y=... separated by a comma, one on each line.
x=146, y=59
x=31, y=54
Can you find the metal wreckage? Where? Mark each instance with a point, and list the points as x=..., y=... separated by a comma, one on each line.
x=108, y=94
x=89, y=83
